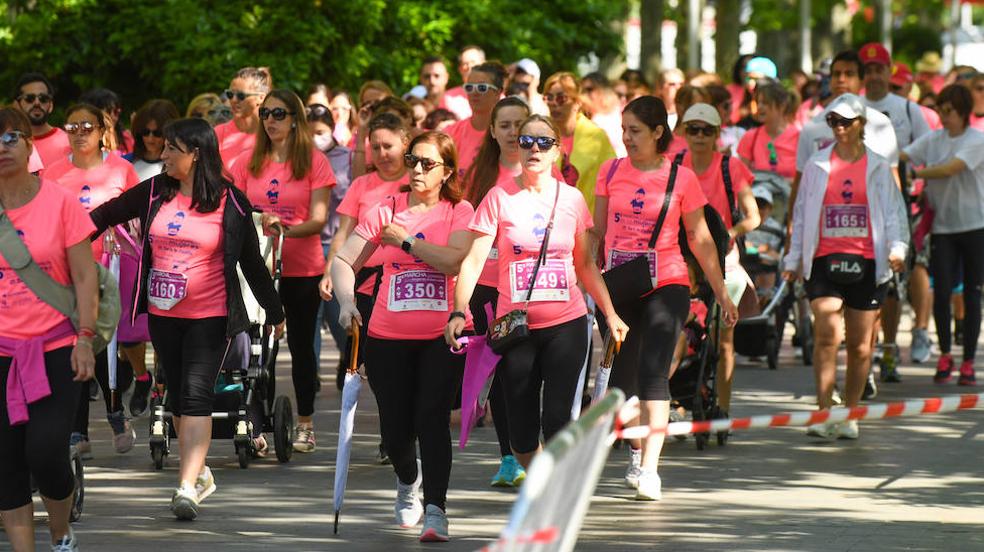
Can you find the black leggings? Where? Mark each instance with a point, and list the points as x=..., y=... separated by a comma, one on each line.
x=190, y=351
x=40, y=447
x=949, y=253
x=482, y=296
x=301, y=303
x=124, y=377
x=550, y=360
x=415, y=382
x=643, y=366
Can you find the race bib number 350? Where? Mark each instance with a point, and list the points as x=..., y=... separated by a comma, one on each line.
x=551, y=281
x=166, y=289
x=418, y=290
x=845, y=221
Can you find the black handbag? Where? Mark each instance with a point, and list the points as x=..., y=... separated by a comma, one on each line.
x=631, y=280
x=513, y=328
x=844, y=268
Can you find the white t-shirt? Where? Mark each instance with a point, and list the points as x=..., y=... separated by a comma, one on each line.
x=146, y=169
x=958, y=201
x=907, y=119
x=878, y=135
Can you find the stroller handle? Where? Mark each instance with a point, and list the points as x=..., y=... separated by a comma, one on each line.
x=776, y=298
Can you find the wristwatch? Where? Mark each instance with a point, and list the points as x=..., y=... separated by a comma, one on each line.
x=407, y=244
x=456, y=314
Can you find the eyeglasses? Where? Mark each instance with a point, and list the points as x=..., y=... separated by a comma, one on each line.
x=278, y=113
x=30, y=98
x=834, y=121
x=238, y=94
x=542, y=142
x=85, y=127
x=316, y=110
x=411, y=161
x=10, y=138
x=696, y=130
x=559, y=98
x=156, y=133
x=480, y=87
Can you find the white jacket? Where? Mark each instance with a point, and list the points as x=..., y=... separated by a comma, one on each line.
x=889, y=226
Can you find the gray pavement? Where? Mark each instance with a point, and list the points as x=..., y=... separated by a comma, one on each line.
x=907, y=484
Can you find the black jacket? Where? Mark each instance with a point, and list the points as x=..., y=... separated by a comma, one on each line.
x=240, y=246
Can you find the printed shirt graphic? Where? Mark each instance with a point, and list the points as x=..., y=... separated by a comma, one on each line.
x=635, y=199
x=233, y=143
x=276, y=192
x=518, y=219
x=425, y=282
x=845, y=222
x=48, y=225
x=188, y=243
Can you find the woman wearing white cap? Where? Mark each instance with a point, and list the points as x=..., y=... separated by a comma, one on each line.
x=726, y=183
x=848, y=236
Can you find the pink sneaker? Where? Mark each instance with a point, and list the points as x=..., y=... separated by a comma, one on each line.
x=967, y=374
x=944, y=369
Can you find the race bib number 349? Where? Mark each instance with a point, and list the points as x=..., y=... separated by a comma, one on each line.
x=551, y=281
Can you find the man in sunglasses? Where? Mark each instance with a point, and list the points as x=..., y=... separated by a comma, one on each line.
x=469, y=57
x=34, y=95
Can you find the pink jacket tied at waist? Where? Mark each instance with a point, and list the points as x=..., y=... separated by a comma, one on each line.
x=27, y=380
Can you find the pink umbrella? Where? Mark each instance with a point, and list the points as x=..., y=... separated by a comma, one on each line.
x=480, y=363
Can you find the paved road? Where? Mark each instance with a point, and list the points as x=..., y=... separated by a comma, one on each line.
x=907, y=484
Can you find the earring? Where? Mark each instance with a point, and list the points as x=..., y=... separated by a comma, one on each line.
x=293, y=125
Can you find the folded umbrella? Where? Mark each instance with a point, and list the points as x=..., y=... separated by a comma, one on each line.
x=346, y=424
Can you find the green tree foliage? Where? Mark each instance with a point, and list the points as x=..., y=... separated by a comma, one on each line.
x=179, y=48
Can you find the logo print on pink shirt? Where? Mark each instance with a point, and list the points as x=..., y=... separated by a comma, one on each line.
x=273, y=193
x=638, y=202
x=174, y=226
x=847, y=193
x=539, y=227
x=85, y=197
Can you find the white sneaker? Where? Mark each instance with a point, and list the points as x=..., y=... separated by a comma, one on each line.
x=66, y=543
x=435, y=525
x=847, y=430
x=922, y=347
x=184, y=503
x=205, y=484
x=825, y=430
x=634, y=470
x=650, y=487
x=408, y=507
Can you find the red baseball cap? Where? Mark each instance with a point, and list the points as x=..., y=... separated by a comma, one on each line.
x=901, y=74
x=874, y=52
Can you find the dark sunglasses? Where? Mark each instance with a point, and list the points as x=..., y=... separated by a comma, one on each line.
x=278, y=113
x=560, y=98
x=543, y=142
x=696, y=130
x=85, y=127
x=10, y=138
x=834, y=121
x=411, y=161
x=156, y=133
x=481, y=87
x=238, y=94
x=29, y=98
x=316, y=110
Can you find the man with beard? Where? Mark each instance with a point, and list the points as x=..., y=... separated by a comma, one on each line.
x=34, y=95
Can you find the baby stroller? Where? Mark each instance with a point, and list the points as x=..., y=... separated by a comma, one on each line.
x=246, y=403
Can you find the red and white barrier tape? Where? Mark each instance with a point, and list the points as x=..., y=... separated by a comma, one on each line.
x=934, y=405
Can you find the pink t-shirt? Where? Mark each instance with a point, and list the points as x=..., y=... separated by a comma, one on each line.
x=976, y=121
x=932, y=118
x=233, y=143
x=845, y=221
x=468, y=141
x=34, y=163
x=276, y=192
x=490, y=272
x=712, y=183
x=48, y=225
x=187, y=268
x=781, y=159
x=52, y=146
x=677, y=144
x=414, y=298
x=635, y=199
x=518, y=218
x=94, y=186
x=362, y=196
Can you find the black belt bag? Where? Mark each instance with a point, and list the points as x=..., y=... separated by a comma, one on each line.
x=844, y=268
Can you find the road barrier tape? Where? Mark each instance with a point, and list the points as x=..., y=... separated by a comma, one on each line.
x=934, y=405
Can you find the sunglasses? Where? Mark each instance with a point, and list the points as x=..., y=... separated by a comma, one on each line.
x=696, y=130
x=542, y=142
x=29, y=98
x=10, y=138
x=156, y=133
x=238, y=94
x=278, y=113
x=834, y=121
x=481, y=87
x=316, y=110
x=85, y=127
x=559, y=98
x=411, y=161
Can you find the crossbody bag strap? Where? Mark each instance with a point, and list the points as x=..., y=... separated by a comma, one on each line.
x=59, y=297
x=729, y=189
x=543, y=247
x=667, y=198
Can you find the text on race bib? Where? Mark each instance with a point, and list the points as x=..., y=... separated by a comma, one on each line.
x=418, y=290
x=845, y=221
x=166, y=289
x=551, y=281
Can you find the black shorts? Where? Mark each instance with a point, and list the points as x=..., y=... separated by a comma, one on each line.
x=864, y=295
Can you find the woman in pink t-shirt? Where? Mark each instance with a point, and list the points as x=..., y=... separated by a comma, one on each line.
x=518, y=219
x=34, y=431
x=630, y=195
x=246, y=92
x=772, y=146
x=497, y=164
x=287, y=179
x=371, y=93
x=848, y=234
x=421, y=235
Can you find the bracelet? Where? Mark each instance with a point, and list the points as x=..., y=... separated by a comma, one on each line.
x=456, y=314
x=87, y=332
x=87, y=341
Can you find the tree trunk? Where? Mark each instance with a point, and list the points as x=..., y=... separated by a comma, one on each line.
x=727, y=28
x=651, y=34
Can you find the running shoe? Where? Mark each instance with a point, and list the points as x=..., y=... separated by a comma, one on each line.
x=82, y=445
x=634, y=471
x=184, y=503
x=510, y=473
x=835, y=396
x=205, y=484
x=435, y=525
x=124, y=436
x=967, y=374
x=870, y=389
x=825, y=430
x=944, y=369
x=888, y=368
x=922, y=347
x=650, y=486
x=141, y=395
x=408, y=507
x=847, y=429
x=304, y=440
x=66, y=543
x=95, y=392
x=382, y=458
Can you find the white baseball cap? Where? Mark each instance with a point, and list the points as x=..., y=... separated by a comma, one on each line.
x=848, y=106
x=529, y=67
x=702, y=112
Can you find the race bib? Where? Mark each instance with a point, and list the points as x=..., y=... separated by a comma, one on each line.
x=617, y=257
x=418, y=290
x=166, y=289
x=551, y=281
x=845, y=221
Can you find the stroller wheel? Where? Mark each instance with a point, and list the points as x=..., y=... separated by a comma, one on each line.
x=243, y=452
x=78, y=495
x=157, y=454
x=283, y=428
